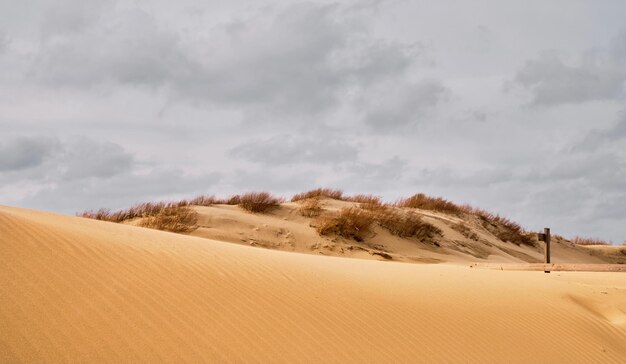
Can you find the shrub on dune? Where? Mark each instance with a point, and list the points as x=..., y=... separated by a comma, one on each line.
x=406, y=224
x=350, y=223
x=577, y=240
x=421, y=201
x=258, y=201
x=310, y=207
x=318, y=192
x=177, y=219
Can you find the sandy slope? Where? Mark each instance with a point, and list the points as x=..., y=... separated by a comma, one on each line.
x=285, y=229
x=79, y=290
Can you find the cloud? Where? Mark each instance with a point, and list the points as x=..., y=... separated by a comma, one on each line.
x=297, y=59
x=22, y=153
x=286, y=149
x=81, y=173
x=398, y=106
x=599, y=75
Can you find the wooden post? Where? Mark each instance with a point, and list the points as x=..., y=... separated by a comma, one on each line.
x=546, y=233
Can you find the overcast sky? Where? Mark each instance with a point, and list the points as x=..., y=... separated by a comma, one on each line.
x=517, y=107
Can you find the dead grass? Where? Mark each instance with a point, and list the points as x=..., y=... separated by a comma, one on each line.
x=465, y=231
x=258, y=201
x=406, y=224
x=577, y=240
x=177, y=219
x=145, y=209
x=318, y=192
x=310, y=207
x=350, y=223
x=368, y=202
x=421, y=201
x=202, y=200
x=503, y=228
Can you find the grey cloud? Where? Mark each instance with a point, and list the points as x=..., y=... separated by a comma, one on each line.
x=551, y=81
x=285, y=149
x=130, y=49
x=121, y=190
x=85, y=158
x=399, y=105
x=42, y=159
x=597, y=139
x=299, y=61
x=23, y=153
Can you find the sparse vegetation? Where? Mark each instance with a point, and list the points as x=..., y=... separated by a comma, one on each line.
x=368, y=202
x=177, y=219
x=406, y=224
x=350, y=223
x=169, y=216
x=503, y=228
x=421, y=201
x=465, y=231
x=258, y=201
x=577, y=240
x=310, y=207
x=318, y=192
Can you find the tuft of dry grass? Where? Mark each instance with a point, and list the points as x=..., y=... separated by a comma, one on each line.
x=177, y=219
x=406, y=224
x=577, y=240
x=350, y=223
x=258, y=201
x=310, y=207
x=465, y=231
x=318, y=192
x=368, y=202
x=139, y=210
x=421, y=201
x=202, y=200
x=503, y=228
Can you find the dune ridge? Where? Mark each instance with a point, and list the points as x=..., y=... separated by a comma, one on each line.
x=79, y=290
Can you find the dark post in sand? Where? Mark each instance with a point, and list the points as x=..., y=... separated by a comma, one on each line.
x=546, y=237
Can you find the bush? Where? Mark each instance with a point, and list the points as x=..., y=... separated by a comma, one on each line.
x=503, y=228
x=318, y=193
x=465, y=231
x=350, y=223
x=258, y=201
x=421, y=201
x=406, y=224
x=368, y=202
x=588, y=241
x=311, y=207
x=203, y=200
x=177, y=219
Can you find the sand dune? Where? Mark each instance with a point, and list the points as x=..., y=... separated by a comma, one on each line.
x=285, y=229
x=79, y=290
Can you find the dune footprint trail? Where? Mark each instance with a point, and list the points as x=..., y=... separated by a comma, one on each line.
x=78, y=290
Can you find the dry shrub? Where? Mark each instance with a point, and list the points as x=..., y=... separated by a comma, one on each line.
x=588, y=241
x=232, y=200
x=406, y=224
x=465, y=231
x=368, y=202
x=350, y=223
x=177, y=219
x=139, y=210
x=503, y=228
x=318, y=193
x=421, y=201
x=311, y=207
x=258, y=201
x=203, y=200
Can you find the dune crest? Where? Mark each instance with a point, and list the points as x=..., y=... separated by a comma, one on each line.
x=79, y=290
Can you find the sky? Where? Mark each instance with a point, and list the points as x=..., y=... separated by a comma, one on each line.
x=516, y=107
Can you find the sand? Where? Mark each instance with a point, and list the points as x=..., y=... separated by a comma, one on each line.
x=78, y=290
